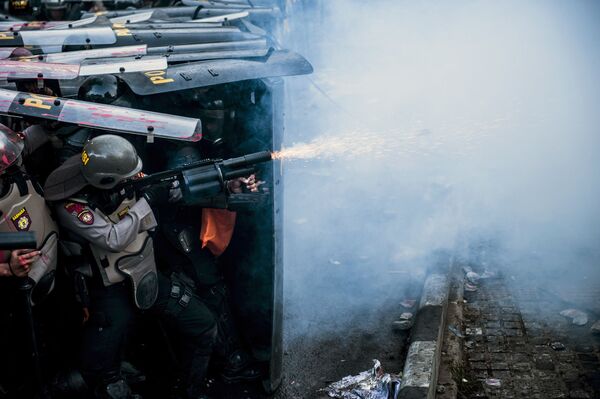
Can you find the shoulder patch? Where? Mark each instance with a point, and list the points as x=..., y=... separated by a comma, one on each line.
x=74, y=207
x=81, y=211
x=86, y=217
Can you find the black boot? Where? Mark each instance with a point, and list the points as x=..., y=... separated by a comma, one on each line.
x=114, y=386
x=195, y=382
x=240, y=367
x=116, y=390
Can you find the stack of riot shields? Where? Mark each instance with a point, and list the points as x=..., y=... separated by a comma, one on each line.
x=190, y=67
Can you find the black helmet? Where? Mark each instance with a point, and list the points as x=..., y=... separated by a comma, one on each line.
x=108, y=159
x=183, y=156
x=11, y=147
x=104, y=89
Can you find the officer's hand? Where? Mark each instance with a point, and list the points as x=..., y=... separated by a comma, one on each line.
x=156, y=195
x=21, y=260
x=235, y=185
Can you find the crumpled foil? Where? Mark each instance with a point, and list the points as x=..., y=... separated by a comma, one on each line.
x=371, y=384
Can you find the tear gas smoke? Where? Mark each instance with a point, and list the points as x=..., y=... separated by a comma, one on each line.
x=465, y=127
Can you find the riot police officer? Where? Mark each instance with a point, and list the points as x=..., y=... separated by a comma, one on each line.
x=189, y=241
x=113, y=227
x=23, y=209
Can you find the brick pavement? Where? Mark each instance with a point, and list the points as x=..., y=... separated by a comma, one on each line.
x=508, y=336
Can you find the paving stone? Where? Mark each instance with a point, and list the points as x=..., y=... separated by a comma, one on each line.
x=521, y=366
x=493, y=324
x=514, y=346
x=513, y=333
x=543, y=362
x=520, y=357
x=499, y=366
x=511, y=324
x=510, y=317
x=579, y=394
x=502, y=375
x=476, y=357
x=570, y=376
x=499, y=357
x=478, y=365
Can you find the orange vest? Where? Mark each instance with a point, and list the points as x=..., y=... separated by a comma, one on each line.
x=217, y=229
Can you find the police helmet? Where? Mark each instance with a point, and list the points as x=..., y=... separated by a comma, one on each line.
x=104, y=89
x=54, y=5
x=108, y=159
x=11, y=147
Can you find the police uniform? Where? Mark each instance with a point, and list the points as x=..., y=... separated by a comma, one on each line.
x=112, y=232
x=188, y=245
x=22, y=209
x=115, y=234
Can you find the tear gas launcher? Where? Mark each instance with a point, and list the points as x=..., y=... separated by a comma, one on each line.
x=205, y=182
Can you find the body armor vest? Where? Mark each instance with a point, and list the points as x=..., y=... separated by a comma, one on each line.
x=136, y=261
x=24, y=209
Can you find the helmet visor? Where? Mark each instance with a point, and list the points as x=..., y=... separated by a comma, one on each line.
x=11, y=146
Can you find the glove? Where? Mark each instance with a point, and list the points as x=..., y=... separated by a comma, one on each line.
x=156, y=195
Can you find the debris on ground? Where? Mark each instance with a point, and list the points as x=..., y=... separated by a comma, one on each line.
x=470, y=287
x=454, y=330
x=472, y=277
x=406, y=316
x=557, y=346
x=408, y=303
x=578, y=317
x=595, y=328
x=371, y=384
x=474, y=331
x=489, y=274
x=469, y=344
x=402, y=325
x=493, y=382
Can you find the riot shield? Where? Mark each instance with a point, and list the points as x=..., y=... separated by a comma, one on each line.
x=123, y=65
x=174, y=37
x=208, y=73
x=224, y=17
x=55, y=39
x=100, y=116
x=252, y=44
x=73, y=24
x=215, y=55
x=37, y=70
x=76, y=57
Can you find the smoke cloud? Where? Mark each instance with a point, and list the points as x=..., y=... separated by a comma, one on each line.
x=435, y=126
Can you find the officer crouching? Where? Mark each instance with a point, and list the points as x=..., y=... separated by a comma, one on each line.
x=111, y=228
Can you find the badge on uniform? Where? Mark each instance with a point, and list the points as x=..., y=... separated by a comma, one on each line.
x=21, y=220
x=86, y=217
x=122, y=213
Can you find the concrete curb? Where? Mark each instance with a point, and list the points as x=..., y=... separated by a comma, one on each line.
x=423, y=359
x=453, y=345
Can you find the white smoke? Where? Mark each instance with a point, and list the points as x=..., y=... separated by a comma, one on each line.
x=436, y=125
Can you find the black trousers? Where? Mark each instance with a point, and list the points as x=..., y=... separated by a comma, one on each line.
x=111, y=315
x=105, y=334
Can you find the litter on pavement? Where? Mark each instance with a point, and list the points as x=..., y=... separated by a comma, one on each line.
x=370, y=384
x=493, y=382
x=578, y=317
x=454, y=330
